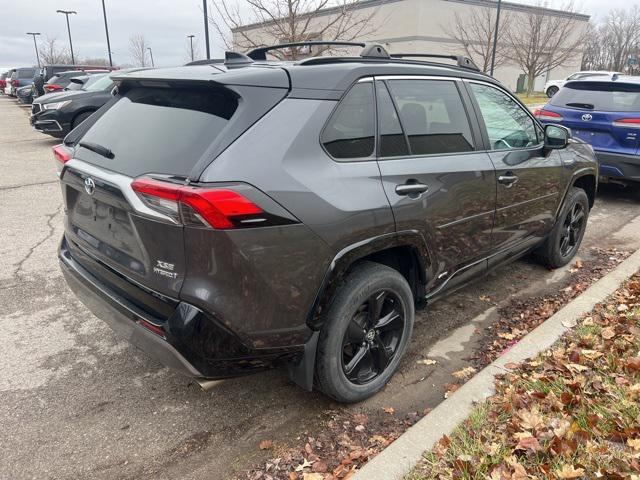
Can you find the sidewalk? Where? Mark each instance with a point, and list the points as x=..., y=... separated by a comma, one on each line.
x=403, y=455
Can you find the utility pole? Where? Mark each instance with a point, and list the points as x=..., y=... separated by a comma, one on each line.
x=106, y=29
x=206, y=28
x=36, y=45
x=495, y=38
x=151, y=53
x=190, y=37
x=67, y=13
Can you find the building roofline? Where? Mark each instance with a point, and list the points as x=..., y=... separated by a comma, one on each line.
x=485, y=3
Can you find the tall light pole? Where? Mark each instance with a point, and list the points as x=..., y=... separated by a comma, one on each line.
x=36, y=45
x=495, y=38
x=106, y=29
x=190, y=37
x=67, y=13
x=151, y=53
x=206, y=28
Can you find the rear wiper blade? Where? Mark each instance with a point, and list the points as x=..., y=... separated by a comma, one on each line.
x=586, y=106
x=99, y=149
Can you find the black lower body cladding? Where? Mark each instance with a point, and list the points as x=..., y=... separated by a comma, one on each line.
x=187, y=339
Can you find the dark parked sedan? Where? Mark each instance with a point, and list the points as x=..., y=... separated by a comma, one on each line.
x=58, y=113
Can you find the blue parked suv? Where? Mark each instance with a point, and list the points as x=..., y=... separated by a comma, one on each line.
x=605, y=114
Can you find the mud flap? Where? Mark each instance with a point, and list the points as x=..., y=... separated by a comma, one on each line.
x=301, y=373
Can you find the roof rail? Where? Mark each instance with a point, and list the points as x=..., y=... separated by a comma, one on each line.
x=461, y=60
x=260, y=53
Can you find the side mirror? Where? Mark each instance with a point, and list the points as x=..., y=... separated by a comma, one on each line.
x=556, y=137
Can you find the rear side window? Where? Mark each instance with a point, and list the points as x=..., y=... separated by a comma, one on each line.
x=350, y=132
x=159, y=130
x=607, y=96
x=433, y=116
x=26, y=73
x=393, y=142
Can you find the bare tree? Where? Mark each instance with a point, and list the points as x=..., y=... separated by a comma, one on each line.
x=138, y=49
x=621, y=29
x=51, y=53
x=476, y=33
x=542, y=40
x=287, y=21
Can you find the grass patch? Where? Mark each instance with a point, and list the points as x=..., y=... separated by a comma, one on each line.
x=572, y=412
x=536, y=98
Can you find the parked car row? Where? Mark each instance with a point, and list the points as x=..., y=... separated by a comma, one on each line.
x=603, y=111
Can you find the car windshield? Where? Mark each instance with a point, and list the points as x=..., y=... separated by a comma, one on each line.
x=606, y=96
x=26, y=72
x=103, y=82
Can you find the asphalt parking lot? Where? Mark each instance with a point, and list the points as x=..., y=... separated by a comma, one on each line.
x=77, y=402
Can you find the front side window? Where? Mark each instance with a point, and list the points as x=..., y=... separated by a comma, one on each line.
x=350, y=133
x=508, y=125
x=433, y=116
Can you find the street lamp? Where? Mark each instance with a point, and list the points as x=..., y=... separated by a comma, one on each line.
x=495, y=38
x=151, y=53
x=190, y=37
x=67, y=13
x=206, y=28
x=36, y=45
x=106, y=29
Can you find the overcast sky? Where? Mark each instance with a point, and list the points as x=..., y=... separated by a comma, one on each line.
x=164, y=23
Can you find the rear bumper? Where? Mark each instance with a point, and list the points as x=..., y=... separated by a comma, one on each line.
x=619, y=166
x=193, y=343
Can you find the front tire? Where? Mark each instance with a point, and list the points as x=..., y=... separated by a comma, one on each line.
x=365, y=334
x=565, y=238
x=551, y=91
x=80, y=118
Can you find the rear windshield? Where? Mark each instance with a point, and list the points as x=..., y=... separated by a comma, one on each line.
x=26, y=73
x=159, y=130
x=606, y=96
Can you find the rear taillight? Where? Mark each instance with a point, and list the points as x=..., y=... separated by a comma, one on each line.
x=219, y=208
x=52, y=87
x=627, y=123
x=548, y=115
x=15, y=83
x=62, y=154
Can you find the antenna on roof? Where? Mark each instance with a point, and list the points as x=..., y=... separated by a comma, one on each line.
x=235, y=60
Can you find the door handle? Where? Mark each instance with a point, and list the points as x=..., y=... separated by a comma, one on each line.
x=508, y=180
x=411, y=188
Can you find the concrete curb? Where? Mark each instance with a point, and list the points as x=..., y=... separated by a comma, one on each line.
x=402, y=455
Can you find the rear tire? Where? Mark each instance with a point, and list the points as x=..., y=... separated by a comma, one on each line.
x=80, y=118
x=551, y=91
x=565, y=238
x=365, y=333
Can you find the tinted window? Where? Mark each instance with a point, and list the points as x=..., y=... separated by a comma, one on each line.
x=26, y=73
x=607, y=96
x=158, y=130
x=508, y=124
x=393, y=143
x=432, y=115
x=350, y=132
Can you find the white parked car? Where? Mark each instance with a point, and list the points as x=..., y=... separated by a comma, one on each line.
x=552, y=86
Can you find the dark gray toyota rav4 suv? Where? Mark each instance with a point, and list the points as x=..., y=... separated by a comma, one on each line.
x=228, y=218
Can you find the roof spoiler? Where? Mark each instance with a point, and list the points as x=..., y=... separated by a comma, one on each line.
x=260, y=53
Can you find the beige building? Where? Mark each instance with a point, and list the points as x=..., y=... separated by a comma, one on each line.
x=413, y=26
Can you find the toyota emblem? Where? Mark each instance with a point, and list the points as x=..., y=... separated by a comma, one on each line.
x=587, y=117
x=89, y=185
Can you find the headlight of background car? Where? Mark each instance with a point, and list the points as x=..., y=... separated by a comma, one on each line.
x=55, y=106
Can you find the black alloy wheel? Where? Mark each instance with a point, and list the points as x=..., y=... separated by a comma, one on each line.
x=572, y=229
x=372, y=337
